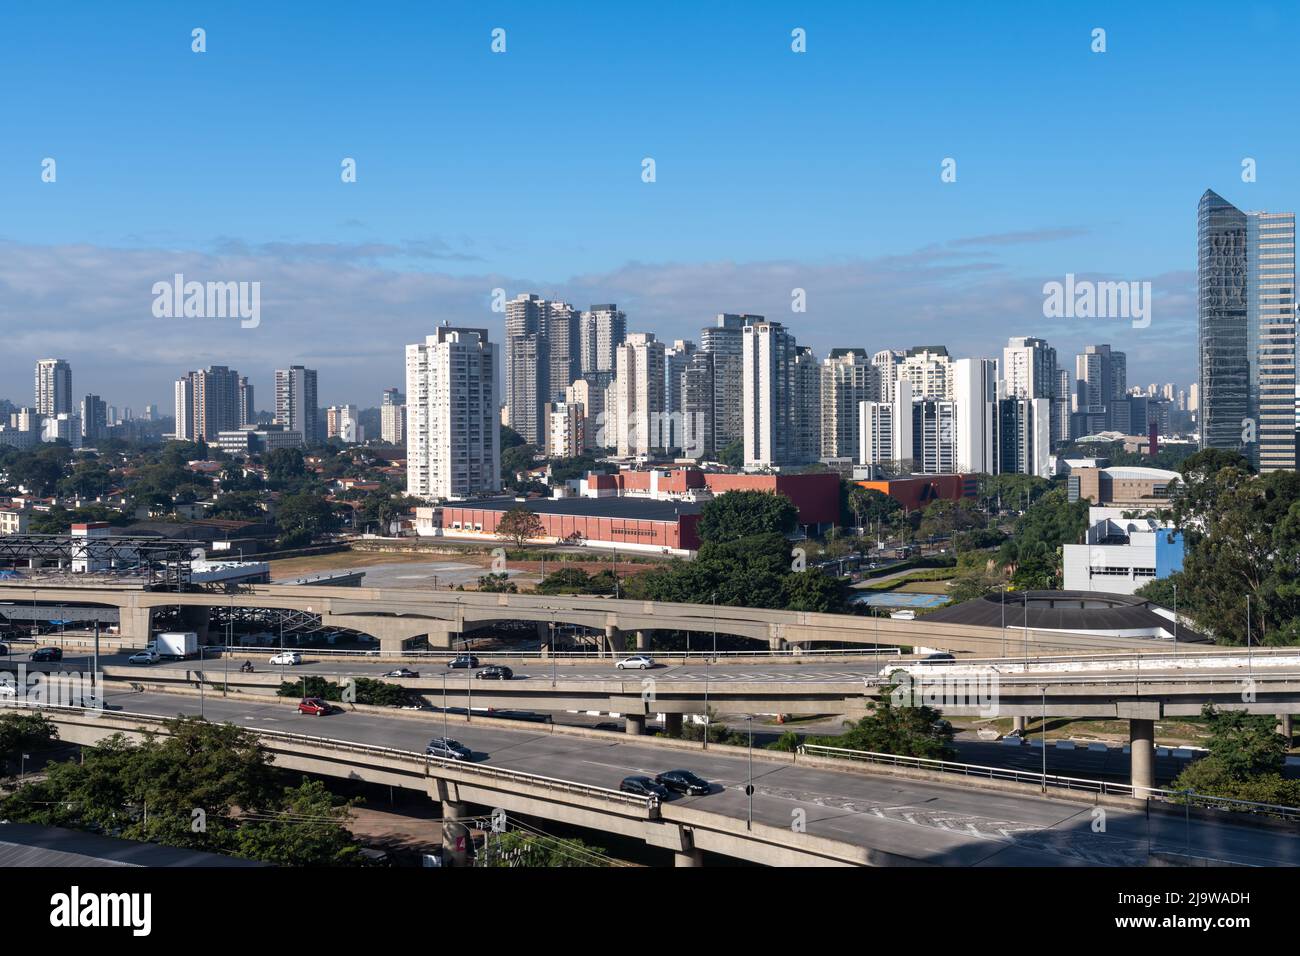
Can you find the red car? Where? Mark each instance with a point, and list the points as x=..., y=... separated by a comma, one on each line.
x=314, y=706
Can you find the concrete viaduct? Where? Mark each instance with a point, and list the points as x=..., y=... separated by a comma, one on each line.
x=397, y=616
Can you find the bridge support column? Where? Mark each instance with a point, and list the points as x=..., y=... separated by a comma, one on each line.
x=1018, y=725
x=135, y=625
x=673, y=725
x=691, y=857
x=1284, y=727
x=1142, y=754
x=776, y=643
x=454, y=810
x=635, y=724
x=643, y=640
x=612, y=640
x=544, y=639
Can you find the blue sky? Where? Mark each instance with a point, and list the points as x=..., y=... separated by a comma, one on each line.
x=522, y=170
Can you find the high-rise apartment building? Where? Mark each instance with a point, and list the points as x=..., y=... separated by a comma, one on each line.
x=544, y=345
x=929, y=370
x=698, y=394
x=638, y=388
x=588, y=394
x=53, y=387
x=603, y=328
x=207, y=402
x=781, y=397
x=392, y=417
x=725, y=341
x=94, y=418
x=886, y=430
x=1246, y=332
x=676, y=359
x=344, y=423
x=295, y=402
x=1024, y=436
x=805, y=406
x=247, y=409
x=453, y=431
x=1101, y=384
x=975, y=393
x=847, y=379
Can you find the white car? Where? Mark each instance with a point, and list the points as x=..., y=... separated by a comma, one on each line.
x=144, y=657
x=639, y=662
x=287, y=657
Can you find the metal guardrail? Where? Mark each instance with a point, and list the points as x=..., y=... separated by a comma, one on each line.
x=1233, y=682
x=649, y=804
x=1074, y=784
x=217, y=649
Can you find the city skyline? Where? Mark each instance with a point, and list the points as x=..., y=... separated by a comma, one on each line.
x=853, y=212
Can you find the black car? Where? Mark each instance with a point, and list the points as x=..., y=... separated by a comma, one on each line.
x=683, y=781
x=4, y=650
x=46, y=655
x=448, y=749
x=495, y=672
x=465, y=660
x=402, y=672
x=941, y=656
x=644, y=787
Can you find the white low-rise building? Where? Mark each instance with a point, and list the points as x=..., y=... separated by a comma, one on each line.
x=1122, y=554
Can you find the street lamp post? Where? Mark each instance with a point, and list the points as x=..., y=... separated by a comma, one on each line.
x=1004, y=619
x=749, y=787
x=1043, y=690
x=706, y=703
x=446, y=732
x=715, y=626
x=1175, y=618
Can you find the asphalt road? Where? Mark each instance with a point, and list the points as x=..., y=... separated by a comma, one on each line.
x=596, y=669
x=932, y=822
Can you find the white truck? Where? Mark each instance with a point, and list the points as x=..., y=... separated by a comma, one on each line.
x=175, y=645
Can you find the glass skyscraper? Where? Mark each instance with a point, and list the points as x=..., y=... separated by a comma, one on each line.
x=1246, y=335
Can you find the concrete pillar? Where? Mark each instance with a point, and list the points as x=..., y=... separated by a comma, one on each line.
x=1142, y=754
x=635, y=725
x=1018, y=725
x=544, y=639
x=691, y=857
x=1284, y=727
x=776, y=644
x=673, y=724
x=391, y=646
x=612, y=640
x=454, y=810
x=643, y=640
x=135, y=625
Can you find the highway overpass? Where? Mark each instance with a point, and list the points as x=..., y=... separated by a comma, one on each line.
x=398, y=616
x=806, y=810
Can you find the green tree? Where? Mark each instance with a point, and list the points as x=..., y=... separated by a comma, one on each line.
x=1245, y=760
x=519, y=525
x=902, y=729
x=497, y=583
x=814, y=590
x=741, y=514
x=733, y=456
x=301, y=517
x=20, y=732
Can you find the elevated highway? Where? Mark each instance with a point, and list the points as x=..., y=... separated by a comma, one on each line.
x=806, y=810
x=398, y=616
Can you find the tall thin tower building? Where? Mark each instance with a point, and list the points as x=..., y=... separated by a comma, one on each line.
x=1246, y=332
x=295, y=402
x=53, y=387
x=453, y=431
